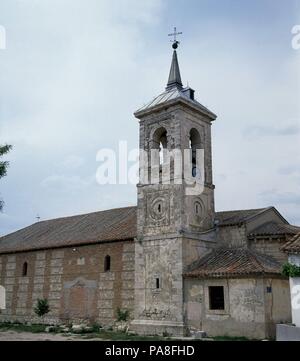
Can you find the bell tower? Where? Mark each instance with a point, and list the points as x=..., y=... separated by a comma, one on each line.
x=175, y=221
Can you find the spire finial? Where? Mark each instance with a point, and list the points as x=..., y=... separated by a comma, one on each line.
x=175, y=41
x=174, y=75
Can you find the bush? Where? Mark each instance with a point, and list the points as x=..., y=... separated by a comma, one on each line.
x=290, y=270
x=122, y=315
x=96, y=327
x=42, y=307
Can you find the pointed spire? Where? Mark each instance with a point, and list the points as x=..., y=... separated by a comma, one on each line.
x=174, y=76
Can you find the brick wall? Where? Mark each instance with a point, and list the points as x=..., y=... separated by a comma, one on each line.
x=73, y=280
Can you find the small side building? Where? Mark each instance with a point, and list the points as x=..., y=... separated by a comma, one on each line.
x=231, y=290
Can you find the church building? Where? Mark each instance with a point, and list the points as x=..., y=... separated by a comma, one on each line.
x=172, y=261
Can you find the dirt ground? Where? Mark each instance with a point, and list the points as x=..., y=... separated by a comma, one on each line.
x=27, y=336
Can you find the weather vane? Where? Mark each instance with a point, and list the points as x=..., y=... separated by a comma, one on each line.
x=38, y=217
x=175, y=41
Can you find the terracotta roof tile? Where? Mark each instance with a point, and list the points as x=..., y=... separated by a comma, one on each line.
x=233, y=262
x=292, y=246
x=274, y=228
x=227, y=218
x=110, y=225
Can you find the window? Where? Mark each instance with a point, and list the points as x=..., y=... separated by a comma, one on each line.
x=107, y=263
x=216, y=297
x=80, y=261
x=194, y=144
x=24, y=270
x=157, y=285
x=159, y=208
x=198, y=208
x=160, y=142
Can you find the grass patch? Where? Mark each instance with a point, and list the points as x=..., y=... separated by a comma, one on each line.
x=230, y=338
x=20, y=327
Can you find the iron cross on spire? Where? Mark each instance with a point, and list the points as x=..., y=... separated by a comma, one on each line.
x=175, y=41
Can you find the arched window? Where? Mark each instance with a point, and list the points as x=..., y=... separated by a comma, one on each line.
x=24, y=269
x=160, y=142
x=195, y=143
x=107, y=263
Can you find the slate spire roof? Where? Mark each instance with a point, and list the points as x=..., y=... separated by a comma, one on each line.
x=174, y=75
x=174, y=93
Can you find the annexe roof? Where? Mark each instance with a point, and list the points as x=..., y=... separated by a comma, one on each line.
x=292, y=246
x=274, y=228
x=229, y=218
x=230, y=262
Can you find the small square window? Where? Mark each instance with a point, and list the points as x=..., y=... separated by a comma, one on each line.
x=216, y=297
x=269, y=289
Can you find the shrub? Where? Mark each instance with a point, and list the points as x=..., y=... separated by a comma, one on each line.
x=122, y=315
x=96, y=327
x=42, y=307
x=290, y=270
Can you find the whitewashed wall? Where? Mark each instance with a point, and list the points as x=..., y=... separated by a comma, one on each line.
x=2, y=298
x=295, y=292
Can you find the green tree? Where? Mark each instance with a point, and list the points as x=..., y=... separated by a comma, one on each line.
x=42, y=307
x=4, y=149
x=290, y=270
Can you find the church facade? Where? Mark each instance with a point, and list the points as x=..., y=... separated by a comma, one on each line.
x=172, y=261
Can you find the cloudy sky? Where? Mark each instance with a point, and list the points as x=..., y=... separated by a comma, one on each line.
x=74, y=71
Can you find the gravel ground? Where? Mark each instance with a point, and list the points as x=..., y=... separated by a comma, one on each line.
x=27, y=336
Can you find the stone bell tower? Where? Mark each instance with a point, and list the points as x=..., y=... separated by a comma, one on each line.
x=175, y=202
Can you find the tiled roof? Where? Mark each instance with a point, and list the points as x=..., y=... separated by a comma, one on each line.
x=224, y=262
x=292, y=246
x=273, y=228
x=110, y=225
x=228, y=218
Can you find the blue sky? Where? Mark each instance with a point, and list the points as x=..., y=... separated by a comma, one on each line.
x=74, y=72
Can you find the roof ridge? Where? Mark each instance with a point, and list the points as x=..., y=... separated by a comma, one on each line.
x=95, y=227
x=244, y=210
x=82, y=214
